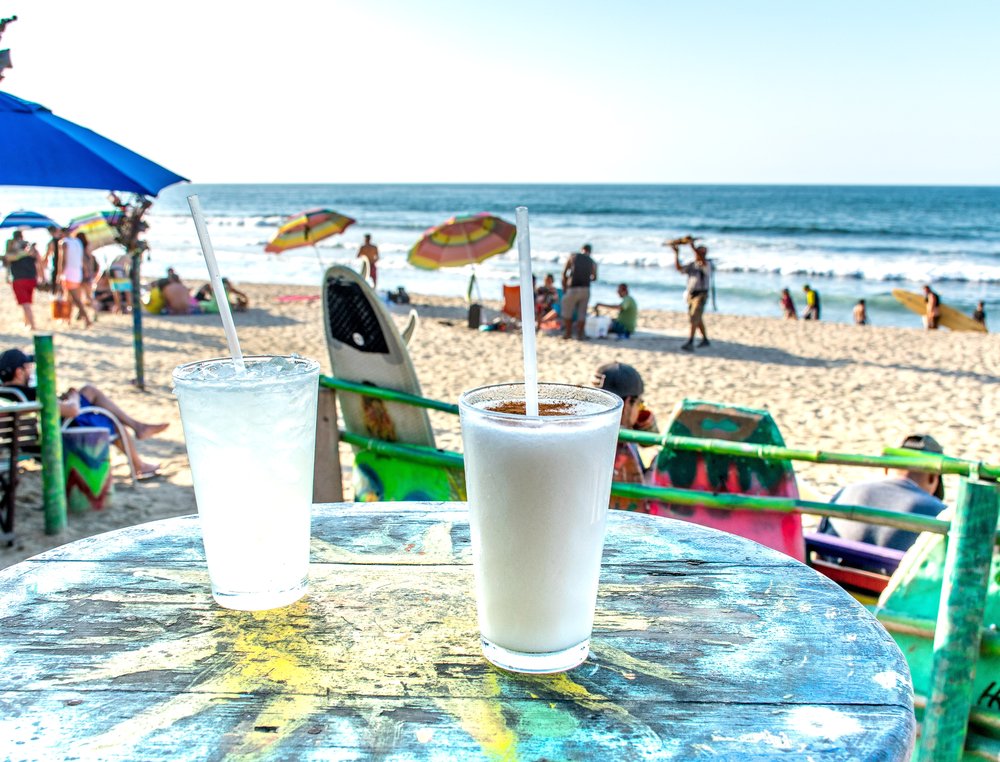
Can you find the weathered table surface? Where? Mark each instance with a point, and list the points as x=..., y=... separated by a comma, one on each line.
x=705, y=645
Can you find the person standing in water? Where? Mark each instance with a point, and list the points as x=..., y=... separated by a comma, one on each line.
x=860, y=313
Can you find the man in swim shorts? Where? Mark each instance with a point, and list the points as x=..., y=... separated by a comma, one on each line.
x=580, y=271
x=369, y=251
x=15, y=371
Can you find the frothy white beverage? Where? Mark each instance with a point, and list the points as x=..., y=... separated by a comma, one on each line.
x=251, y=443
x=538, y=499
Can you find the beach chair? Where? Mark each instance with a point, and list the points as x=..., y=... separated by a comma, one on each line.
x=18, y=440
x=511, y=301
x=119, y=434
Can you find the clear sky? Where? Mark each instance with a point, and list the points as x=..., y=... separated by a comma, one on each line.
x=791, y=91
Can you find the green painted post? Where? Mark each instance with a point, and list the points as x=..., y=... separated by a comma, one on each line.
x=53, y=478
x=140, y=379
x=960, y=621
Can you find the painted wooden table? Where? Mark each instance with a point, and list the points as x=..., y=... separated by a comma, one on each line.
x=705, y=646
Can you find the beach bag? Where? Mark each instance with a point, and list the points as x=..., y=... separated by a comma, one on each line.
x=61, y=309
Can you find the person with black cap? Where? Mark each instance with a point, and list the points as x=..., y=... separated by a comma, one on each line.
x=901, y=490
x=15, y=371
x=625, y=381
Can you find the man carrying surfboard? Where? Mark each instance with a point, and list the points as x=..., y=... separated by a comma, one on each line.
x=699, y=274
x=933, y=302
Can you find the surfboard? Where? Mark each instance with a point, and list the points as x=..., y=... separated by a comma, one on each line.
x=709, y=472
x=366, y=347
x=950, y=317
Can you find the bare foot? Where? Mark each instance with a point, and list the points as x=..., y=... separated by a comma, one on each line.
x=147, y=470
x=147, y=430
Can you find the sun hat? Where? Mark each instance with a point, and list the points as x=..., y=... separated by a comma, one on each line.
x=926, y=443
x=619, y=378
x=10, y=361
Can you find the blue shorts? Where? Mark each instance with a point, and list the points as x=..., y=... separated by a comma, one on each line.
x=98, y=420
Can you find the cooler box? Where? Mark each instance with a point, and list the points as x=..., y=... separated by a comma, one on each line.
x=597, y=327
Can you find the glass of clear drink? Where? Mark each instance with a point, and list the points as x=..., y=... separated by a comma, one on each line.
x=251, y=442
x=538, y=490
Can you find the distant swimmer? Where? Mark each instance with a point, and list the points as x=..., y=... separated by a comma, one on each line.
x=933, y=303
x=979, y=314
x=860, y=313
x=812, y=303
x=369, y=251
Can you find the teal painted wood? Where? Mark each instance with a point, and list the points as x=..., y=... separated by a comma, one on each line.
x=53, y=473
x=960, y=622
x=705, y=645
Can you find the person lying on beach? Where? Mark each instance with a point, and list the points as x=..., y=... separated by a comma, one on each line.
x=15, y=371
x=628, y=313
x=900, y=490
x=238, y=300
x=788, y=306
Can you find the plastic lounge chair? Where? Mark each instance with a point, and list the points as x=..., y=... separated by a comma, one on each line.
x=511, y=301
x=118, y=436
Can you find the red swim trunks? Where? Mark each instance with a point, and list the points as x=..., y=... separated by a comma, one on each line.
x=24, y=289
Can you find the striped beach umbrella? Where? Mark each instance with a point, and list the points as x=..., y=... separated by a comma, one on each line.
x=307, y=228
x=96, y=228
x=462, y=240
x=25, y=219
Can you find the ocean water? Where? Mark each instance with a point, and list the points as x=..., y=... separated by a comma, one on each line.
x=846, y=242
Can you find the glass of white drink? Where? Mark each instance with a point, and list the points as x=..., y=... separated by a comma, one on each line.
x=538, y=491
x=251, y=442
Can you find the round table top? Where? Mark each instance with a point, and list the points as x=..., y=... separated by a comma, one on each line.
x=705, y=644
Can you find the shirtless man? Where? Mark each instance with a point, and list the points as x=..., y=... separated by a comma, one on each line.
x=369, y=251
x=176, y=296
x=933, y=303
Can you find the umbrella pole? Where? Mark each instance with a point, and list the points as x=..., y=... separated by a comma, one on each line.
x=322, y=264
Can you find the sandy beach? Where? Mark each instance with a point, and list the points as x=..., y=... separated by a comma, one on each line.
x=829, y=386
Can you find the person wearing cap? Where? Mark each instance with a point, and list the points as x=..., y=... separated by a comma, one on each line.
x=900, y=490
x=580, y=271
x=15, y=371
x=625, y=381
x=699, y=273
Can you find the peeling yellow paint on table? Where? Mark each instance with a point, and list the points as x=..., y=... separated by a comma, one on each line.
x=705, y=645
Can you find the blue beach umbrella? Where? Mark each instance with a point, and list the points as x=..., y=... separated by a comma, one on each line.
x=26, y=219
x=40, y=148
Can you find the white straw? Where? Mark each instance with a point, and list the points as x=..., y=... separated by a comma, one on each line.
x=527, y=313
x=221, y=298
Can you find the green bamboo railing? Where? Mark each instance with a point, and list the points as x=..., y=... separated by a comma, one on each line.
x=896, y=458
x=959, y=636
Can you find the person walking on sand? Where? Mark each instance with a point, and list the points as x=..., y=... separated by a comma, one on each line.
x=932, y=302
x=860, y=313
x=699, y=273
x=24, y=265
x=788, y=306
x=580, y=271
x=70, y=271
x=979, y=314
x=369, y=251
x=812, y=303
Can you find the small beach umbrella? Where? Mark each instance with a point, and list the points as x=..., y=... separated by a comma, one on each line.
x=463, y=240
x=26, y=219
x=96, y=228
x=306, y=228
